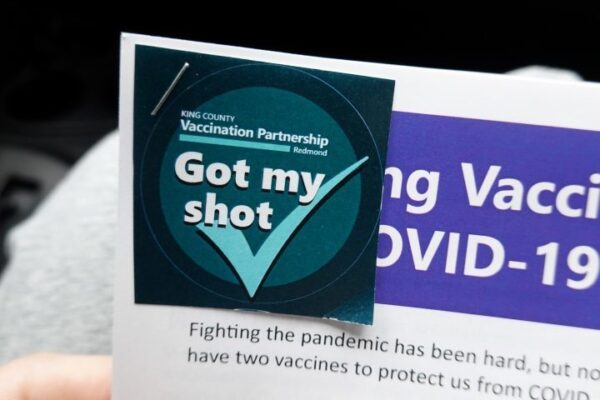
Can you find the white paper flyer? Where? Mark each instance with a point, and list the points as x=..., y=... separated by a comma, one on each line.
x=253, y=223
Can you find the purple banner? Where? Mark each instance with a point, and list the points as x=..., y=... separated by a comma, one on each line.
x=492, y=218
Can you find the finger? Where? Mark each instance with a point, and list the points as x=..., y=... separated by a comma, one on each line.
x=56, y=377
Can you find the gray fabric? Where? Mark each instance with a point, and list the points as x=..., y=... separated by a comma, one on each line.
x=56, y=291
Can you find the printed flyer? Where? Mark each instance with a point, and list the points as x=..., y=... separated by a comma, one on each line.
x=300, y=227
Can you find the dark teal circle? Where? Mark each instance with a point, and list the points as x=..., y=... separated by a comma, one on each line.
x=304, y=85
x=276, y=110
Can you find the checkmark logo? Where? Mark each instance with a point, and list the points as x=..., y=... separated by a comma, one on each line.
x=252, y=268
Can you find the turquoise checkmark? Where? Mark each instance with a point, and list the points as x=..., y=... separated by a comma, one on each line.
x=252, y=268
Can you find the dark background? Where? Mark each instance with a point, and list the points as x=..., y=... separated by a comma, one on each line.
x=59, y=65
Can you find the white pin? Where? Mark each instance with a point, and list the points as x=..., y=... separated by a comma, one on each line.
x=169, y=89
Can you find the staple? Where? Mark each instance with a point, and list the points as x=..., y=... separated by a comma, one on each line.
x=169, y=89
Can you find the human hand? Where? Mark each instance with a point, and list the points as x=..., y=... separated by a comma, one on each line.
x=56, y=377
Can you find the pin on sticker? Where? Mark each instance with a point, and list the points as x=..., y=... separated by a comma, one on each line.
x=169, y=90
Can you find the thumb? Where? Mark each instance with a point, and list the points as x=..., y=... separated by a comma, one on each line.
x=56, y=377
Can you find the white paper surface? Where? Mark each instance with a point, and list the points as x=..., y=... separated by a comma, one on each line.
x=152, y=343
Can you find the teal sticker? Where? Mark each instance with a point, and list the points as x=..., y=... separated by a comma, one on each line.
x=256, y=186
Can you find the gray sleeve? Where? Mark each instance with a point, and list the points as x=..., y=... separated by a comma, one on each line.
x=56, y=291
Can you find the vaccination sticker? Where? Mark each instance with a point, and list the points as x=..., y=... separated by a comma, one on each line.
x=257, y=186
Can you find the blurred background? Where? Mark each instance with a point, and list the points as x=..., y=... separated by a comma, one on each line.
x=59, y=68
